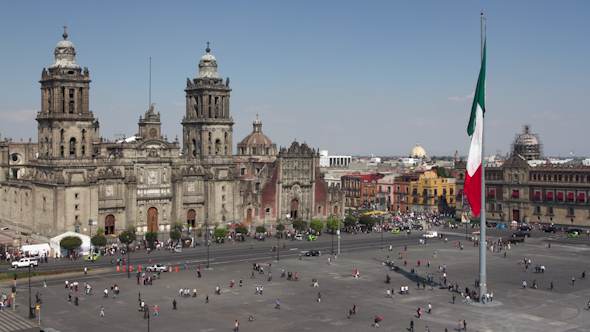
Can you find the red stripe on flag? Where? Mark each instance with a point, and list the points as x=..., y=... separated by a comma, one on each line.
x=473, y=191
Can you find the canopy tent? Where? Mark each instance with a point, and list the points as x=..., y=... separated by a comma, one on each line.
x=375, y=212
x=83, y=250
x=42, y=249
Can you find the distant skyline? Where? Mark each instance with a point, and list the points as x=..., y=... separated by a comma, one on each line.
x=350, y=77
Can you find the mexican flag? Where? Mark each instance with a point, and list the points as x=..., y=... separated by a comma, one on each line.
x=473, y=179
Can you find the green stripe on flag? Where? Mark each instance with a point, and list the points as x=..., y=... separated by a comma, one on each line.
x=480, y=93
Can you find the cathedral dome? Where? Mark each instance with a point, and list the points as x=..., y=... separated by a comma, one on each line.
x=256, y=143
x=418, y=152
x=65, y=55
x=208, y=66
x=527, y=145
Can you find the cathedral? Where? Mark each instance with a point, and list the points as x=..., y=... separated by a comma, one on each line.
x=72, y=179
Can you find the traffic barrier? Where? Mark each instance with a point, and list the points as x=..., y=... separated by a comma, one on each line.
x=139, y=268
x=124, y=268
x=130, y=268
x=117, y=268
x=176, y=269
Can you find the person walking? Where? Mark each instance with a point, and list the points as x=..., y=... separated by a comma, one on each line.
x=429, y=308
x=319, y=297
x=388, y=293
x=411, y=325
x=237, y=325
x=552, y=285
x=207, y=300
x=460, y=325
x=174, y=304
x=156, y=310
x=573, y=280
x=454, y=298
x=101, y=311
x=419, y=312
x=465, y=325
x=524, y=285
x=85, y=270
x=278, y=306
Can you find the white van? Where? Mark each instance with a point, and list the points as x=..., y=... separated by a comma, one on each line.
x=25, y=262
x=430, y=234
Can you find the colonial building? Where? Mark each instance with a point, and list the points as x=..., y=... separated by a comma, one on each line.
x=526, y=189
x=431, y=193
x=73, y=179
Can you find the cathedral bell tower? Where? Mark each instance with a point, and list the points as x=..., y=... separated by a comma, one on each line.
x=207, y=126
x=66, y=126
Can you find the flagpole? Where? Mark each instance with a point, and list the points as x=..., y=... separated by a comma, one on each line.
x=483, y=288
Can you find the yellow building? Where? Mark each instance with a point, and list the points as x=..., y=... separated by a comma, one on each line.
x=432, y=193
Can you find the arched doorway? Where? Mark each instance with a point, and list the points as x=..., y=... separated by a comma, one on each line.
x=294, y=208
x=335, y=211
x=109, y=225
x=190, y=217
x=249, y=216
x=152, y=219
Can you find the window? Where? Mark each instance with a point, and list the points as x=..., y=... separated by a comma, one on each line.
x=492, y=206
x=253, y=150
x=72, y=146
x=77, y=218
x=537, y=210
x=267, y=211
x=77, y=229
x=499, y=207
x=222, y=188
x=44, y=204
x=242, y=171
x=570, y=211
x=76, y=195
x=77, y=207
x=549, y=210
x=319, y=209
x=257, y=186
x=435, y=192
x=223, y=198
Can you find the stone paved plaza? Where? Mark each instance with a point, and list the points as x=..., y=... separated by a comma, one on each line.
x=563, y=309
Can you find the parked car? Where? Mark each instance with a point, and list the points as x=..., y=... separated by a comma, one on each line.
x=24, y=262
x=299, y=237
x=525, y=228
x=395, y=230
x=312, y=253
x=430, y=234
x=573, y=234
x=550, y=229
x=521, y=234
x=91, y=257
x=311, y=237
x=157, y=268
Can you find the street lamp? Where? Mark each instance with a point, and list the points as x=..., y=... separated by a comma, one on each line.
x=208, y=245
x=146, y=314
x=381, y=232
x=278, y=247
x=128, y=263
x=31, y=315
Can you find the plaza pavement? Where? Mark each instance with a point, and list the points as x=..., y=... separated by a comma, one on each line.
x=563, y=309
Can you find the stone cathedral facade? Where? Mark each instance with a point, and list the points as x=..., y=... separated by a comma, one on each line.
x=72, y=178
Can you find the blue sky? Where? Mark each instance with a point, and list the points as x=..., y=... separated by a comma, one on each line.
x=353, y=77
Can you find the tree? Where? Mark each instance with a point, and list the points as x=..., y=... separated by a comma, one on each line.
x=316, y=225
x=350, y=221
x=220, y=233
x=299, y=224
x=99, y=240
x=151, y=237
x=175, y=234
x=100, y=231
x=241, y=230
x=260, y=229
x=333, y=224
x=367, y=220
x=177, y=226
x=280, y=227
x=127, y=237
x=70, y=243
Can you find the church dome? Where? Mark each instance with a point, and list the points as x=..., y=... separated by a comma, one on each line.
x=527, y=145
x=257, y=143
x=208, y=66
x=418, y=152
x=65, y=55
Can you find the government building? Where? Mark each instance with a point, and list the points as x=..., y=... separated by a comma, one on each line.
x=528, y=189
x=72, y=179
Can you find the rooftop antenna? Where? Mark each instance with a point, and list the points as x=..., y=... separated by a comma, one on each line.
x=150, y=100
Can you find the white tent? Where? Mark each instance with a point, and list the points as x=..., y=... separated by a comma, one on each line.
x=83, y=250
x=42, y=249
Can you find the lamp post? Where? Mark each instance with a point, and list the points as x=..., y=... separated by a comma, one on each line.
x=278, y=246
x=30, y=312
x=381, y=232
x=332, y=241
x=128, y=262
x=146, y=314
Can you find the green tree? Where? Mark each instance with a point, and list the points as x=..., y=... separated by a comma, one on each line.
x=227, y=226
x=132, y=229
x=333, y=224
x=316, y=225
x=177, y=226
x=220, y=233
x=350, y=221
x=70, y=243
x=367, y=220
x=175, y=234
x=241, y=230
x=127, y=237
x=299, y=224
x=100, y=231
x=260, y=229
x=151, y=237
x=99, y=240
x=280, y=227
